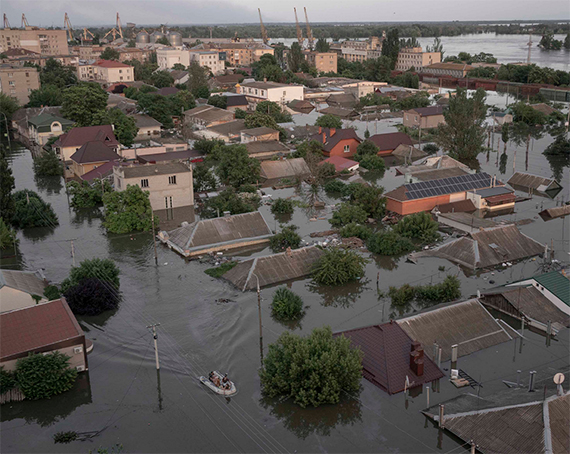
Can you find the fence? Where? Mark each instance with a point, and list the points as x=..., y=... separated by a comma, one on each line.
x=14, y=395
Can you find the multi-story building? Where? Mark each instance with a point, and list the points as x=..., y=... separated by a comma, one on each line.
x=208, y=59
x=169, y=184
x=256, y=92
x=107, y=71
x=238, y=53
x=414, y=57
x=325, y=62
x=167, y=57
x=18, y=82
x=45, y=126
x=40, y=40
x=359, y=50
x=448, y=69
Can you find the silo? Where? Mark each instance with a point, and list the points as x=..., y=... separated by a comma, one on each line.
x=156, y=36
x=175, y=39
x=143, y=38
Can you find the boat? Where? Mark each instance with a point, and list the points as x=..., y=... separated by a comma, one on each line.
x=224, y=392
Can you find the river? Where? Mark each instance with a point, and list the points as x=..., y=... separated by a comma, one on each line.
x=125, y=401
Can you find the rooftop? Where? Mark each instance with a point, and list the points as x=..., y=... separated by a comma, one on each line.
x=438, y=174
x=261, y=131
x=145, y=121
x=148, y=170
x=468, y=220
x=288, y=168
x=535, y=182
x=340, y=163
x=76, y=137
x=429, y=111
x=556, y=283
x=266, y=146
x=31, y=282
x=491, y=192
x=111, y=64
x=390, y=141
x=101, y=171
x=453, y=66
x=463, y=206
x=339, y=112
x=264, y=85
x=46, y=120
x=209, y=113
x=233, y=127
x=238, y=100
x=94, y=152
x=171, y=156
x=333, y=136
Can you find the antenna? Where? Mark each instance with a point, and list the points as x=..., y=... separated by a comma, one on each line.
x=24, y=21
x=118, y=26
x=263, y=30
x=310, y=38
x=6, y=23
x=299, y=32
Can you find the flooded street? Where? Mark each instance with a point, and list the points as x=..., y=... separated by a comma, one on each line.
x=123, y=400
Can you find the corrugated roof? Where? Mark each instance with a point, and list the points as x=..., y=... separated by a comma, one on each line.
x=390, y=141
x=339, y=112
x=553, y=213
x=429, y=111
x=233, y=127
x=490, y=192
x=468, y=220
x=224, y=230
x=467, y=324
x=386, y=360
x=145, y=121
x=487, y=248
x=94, y=152
x=559, y=417
x=274, y=269
x=558, y=284
x=209, y=113
x=261, y=131
x=169, y=168
x=536, y=182
x=30, y=329
x=30, y=282
x=268, y=146
x=288, y=168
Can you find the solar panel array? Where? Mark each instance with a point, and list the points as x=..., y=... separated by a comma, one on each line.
x=448, y=185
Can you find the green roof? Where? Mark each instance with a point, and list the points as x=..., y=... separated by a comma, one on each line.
x=43, y=122
x=556, y=283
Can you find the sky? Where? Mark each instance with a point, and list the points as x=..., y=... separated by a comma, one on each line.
x=92, y=12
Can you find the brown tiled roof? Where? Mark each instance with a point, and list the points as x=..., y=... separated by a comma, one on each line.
x=94, y=152
x=544, y=108
x=238, y=100
x=332, y=141
x=390, y=141
x=386, y=361
x=35, y=327
x=76, y=137
x=429, y=111
x=111, y=64
x=167, y=91
x=462, y=206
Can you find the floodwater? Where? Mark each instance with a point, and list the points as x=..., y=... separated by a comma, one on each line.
x=506, y=48
x=123, y=400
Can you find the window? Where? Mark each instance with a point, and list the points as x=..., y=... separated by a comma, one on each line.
x=168, y=200
x=144, y=183
x=172, y=179
x=347, y=148
x=12, y=83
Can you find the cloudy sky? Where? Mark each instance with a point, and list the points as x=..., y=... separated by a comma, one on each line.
x=93, y=12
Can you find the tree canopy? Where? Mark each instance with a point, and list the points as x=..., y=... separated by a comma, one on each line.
x=338, y=266
x=6, y=186
x=236, y=168
x=32, y=211
x=329, y=121
x=161, y=79
x=391, y=46
x=47, y=164
x=110, y=54
x=56, y=74
x=102, y=269
x=127, y=211
x=83, y=102
x=46, y=95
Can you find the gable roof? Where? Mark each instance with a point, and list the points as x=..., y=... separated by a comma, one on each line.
x=386, y=359
x=297, y=167
x=543, y=108
x=238, y=100
x=145, y=121
x=461, y=206
x=390, y=141
x=340, y=163
x=428, y=111
x=536, y=182
x=233, y=127
x=101, y=171
x=94, y=152
x=32, y=282
x=408, y=152
x=339, y=112
x=558, y=284
x=266, y=146
x=209, y=113
x=44, y=121
x=167, y=91
x=274, y=268
x=33, y=328
x=218, y=231
x=77, y=137
x=467, y=324
x=333, y=140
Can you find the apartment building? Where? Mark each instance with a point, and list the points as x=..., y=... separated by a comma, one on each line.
x=107, y=71
x=167, y=57
x=208, y=59
x=18, y=82
x=42, y=41
x=169, y=184
x=359, y=50
x=237, y=53
x=459, y=70
x=324, y=61
x=415, y=57
x=256, y=92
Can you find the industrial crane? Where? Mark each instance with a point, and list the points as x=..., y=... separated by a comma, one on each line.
x=67, y=24
x=119, y=26
x=299, y=32
x=85, y=36
x=263, y=30
x=113, y=32
x=310, y=38
x=6, y=23
x=24, y=21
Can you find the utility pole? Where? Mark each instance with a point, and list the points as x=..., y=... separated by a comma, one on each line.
x=154, y=240
x=72, y=252
x=260, y=324
x=155, y=336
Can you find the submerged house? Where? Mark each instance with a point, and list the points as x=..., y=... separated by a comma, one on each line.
x=274, y=269
x=487, y=248
x=19, y=289
x=432, y=163
x=291, y=169
x=218, y=234
x=535, y=184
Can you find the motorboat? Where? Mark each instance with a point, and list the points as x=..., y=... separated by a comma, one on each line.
x=230, y=390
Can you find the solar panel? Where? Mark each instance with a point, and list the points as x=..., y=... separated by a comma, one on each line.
x=447, y=185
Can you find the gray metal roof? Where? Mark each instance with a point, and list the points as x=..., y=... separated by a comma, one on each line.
x=530, y=181
x=147, y=170
x=489, y=192
x=31, y=282
x=468, y=220
x=287, y=168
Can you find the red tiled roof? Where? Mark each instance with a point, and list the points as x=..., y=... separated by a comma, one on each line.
x=100, y=172
x=77, y=137
x=94, y=152
x=390, y=141
x=30, y=329
x=111, y=64
x=386, y=360
x=340, y=163
x=333, y=140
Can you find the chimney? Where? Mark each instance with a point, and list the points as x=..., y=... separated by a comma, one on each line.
x=227, y=214
x=417, y=359
x=324, y=137
x=332, y=131
x=320, y=130
x=265, y=79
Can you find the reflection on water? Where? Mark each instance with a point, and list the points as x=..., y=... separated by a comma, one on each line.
x=340, y=296
x=86, y=215
x=386, y=262
x=49, y=185
x=320, y=421
x=172, y=218
x=49, y=411
x=37, y=233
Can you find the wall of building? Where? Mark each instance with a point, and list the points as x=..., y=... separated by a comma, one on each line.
x=11, y=299
x=114, y=75
x=166, y=58
x=82, y=169
x=338, y=150
x=413, y=120
x=43, y=137
x=18, y=83
x=75, y=359
x=45, y=42
x=415, y=206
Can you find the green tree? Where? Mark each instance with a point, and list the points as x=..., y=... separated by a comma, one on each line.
x=463, y=135
x=273, y=109
x=31, y=211
x=125, y=127
x=567, y=41
x=229, y=200
x=322, y=45
x=204, y=179
x=329, y=121
x=267, y=68
x=560, y=146
x=309, y=147
x=92, y=296
x=367, y=197
x=389, y=243
x=48, y=164
x=240, y=114
x=338, y=266
x=110, y=54
x=164, y=41
x=6, y=186
x=8, y=106
x=348, y=213
x=127, y=211
x=201, y=92
x=42, y=376
x=286, y=305
x=103, y=269
x=548, y=42
x=86, y=195
x=437, y=47
x=391, y=46
x=312, y=370
x=287, y=238
x=295, y=57
x=132, y=43
x=366, y=148
x=46, y=95
x=218, y=101
x=257, y=120
x=143, y=71
x=51, y=292
x=236, y=168
x=431, y=148
x=420, y=226
x=282, y=206
x=372, y=162
x=527, y=114
x=7, y=236
x=355, y=230
x=179, y=67
x=161, y=79
x=197, y=78
x=56, y=74
x=84, y=101
x=7, y=380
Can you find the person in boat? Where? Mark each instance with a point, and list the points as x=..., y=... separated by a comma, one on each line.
x=226, y=382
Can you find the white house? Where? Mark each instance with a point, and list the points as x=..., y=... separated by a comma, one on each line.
x=256, y=92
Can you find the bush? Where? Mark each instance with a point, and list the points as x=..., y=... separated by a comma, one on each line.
x=371, y=162
x=448, y=290
x=338, y=266
x=282, y=206
x=287, y=238
x=329, y=121
x=102, y=269
x=368, y=197
x=325, y=170
x=48, y=165
x=219, y=271
x=367, y=148
x=43, y=376
x=218, y=101
x=64, y=437
x=402, y=296
x=229, y=200
x=92, y=296
x=312, y=370
x=286, y=305
x=418, y=225
x=127, y=211
x=51, y=292
x=7, y=236
x=85, y=195
x=389, y=243
x=355, y=230
x=7, y=380
x=431, y=148
x=334, y=186
x=32, y=211
x=348, y=213
x=240, y=114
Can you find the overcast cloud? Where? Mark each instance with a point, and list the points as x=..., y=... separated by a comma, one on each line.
x=90, y=12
